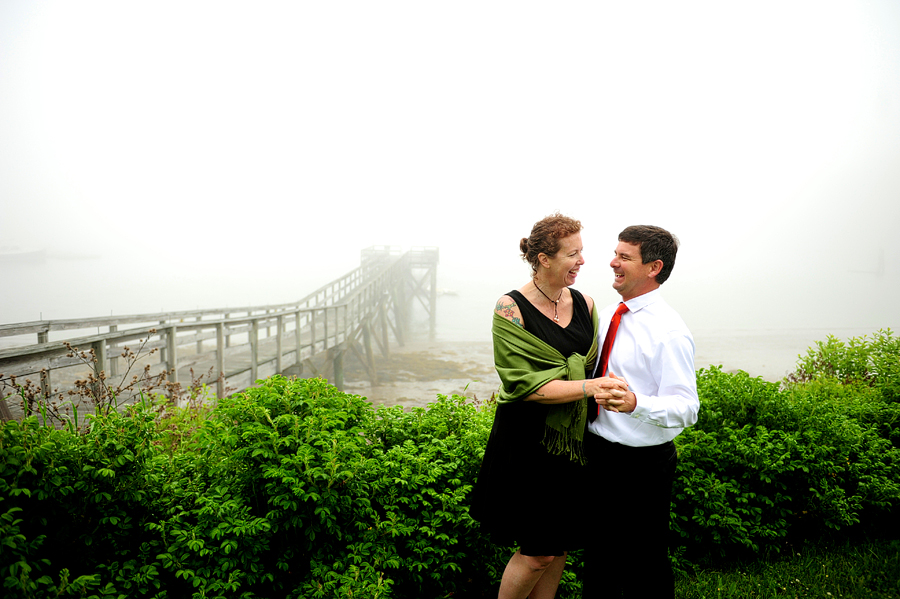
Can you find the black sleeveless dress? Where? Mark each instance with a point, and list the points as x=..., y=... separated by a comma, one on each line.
x=524, y=495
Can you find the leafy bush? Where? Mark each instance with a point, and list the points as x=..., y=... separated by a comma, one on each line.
x=294, y=489
x=872, y=361
x=768, y=464
x=289, y=489
x=68, y=499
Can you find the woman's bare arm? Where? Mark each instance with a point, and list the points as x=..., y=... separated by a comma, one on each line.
x=556, y=392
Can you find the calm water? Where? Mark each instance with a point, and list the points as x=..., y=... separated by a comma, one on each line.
x=769, y=353
x=463, y=337
x=80, y=287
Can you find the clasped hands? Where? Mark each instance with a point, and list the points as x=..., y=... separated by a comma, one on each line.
x=612, y=394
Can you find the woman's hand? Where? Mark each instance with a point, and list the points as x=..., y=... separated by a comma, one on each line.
x=606, y=388
x=614, y=395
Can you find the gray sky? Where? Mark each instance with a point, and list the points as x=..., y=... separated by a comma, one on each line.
x=224, y=153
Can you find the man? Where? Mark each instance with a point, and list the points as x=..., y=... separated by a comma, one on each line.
x=631, y=456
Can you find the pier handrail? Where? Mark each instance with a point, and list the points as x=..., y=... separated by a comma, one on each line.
x=328, y=294
x=326, y=323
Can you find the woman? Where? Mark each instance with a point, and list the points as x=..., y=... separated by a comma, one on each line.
x=529, y=489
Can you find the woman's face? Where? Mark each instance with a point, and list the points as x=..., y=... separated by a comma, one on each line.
x=562, y=268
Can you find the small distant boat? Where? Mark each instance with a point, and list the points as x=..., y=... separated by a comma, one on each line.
x=14, y=253
x=441, y=291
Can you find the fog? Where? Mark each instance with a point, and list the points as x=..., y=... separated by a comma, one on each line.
x=181, y=155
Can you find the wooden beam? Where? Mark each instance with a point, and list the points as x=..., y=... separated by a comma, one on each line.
x=338, y=361
x=172, y=351
x=279, y=344
x=220, y=360
x=254, y=352
x=370, y=358
x=5, y=414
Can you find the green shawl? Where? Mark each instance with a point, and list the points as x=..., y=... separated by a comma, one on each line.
x=526, y=363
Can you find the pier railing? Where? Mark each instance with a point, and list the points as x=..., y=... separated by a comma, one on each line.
x=237, y=346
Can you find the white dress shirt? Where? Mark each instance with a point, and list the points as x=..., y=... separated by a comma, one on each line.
x=654, y=352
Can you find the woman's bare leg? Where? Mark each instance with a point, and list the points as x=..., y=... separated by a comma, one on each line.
x=535, y=575
x=548, y=583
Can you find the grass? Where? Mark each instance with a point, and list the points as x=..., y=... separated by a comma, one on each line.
x=869, y=570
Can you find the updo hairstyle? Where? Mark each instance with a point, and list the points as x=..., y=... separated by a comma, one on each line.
x=545, y=236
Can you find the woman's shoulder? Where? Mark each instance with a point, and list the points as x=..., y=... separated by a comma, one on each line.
x=507, y=308
x=588, y=300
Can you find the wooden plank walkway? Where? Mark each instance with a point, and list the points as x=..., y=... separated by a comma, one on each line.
x=357, y=312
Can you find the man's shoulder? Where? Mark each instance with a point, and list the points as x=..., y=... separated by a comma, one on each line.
x=665, y=315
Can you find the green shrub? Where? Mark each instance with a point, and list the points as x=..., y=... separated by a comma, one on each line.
x=294, y=489
x=766, y=464
x=874, y=361
x=69, y=498
x=289, y=489
x=300, y=490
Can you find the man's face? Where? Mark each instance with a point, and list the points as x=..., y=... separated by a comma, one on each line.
x=632, y=278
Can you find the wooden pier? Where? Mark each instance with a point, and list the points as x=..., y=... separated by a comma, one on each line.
x=355, y=313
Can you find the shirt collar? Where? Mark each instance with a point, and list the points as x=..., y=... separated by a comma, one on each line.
x=640, y=302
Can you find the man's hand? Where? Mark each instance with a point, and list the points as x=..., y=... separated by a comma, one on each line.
x=624, y=404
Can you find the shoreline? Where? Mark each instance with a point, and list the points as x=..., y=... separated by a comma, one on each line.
x=413, y=375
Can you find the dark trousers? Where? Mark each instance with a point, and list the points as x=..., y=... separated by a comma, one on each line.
x=628, y=507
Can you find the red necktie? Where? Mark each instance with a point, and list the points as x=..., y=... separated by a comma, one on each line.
x=607, y=346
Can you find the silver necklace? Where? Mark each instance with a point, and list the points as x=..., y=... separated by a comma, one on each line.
x=554, y=302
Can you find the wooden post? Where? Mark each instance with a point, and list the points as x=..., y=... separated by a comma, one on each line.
x=338, y=327
x=46, y=385
x=432, y=320
x=220, y=359
x=101, y=356
x=172, y=351
x=254, y=351
x=279, y=344
x=339, y=368
x=114, y=359
x=312, y=329
x=162, y=351
x=99, y=366
x=5, y=414
x=399, y=313
x=382, y=315
x=199, y=343
x=228, y=336
x=299, y=340
x=370, y=358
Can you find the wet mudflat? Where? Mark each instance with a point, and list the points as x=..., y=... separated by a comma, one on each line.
x=415, y=374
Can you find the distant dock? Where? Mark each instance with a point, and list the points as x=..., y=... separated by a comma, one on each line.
x=358, y=312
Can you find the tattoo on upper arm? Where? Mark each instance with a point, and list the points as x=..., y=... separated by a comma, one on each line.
x=506, y=311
